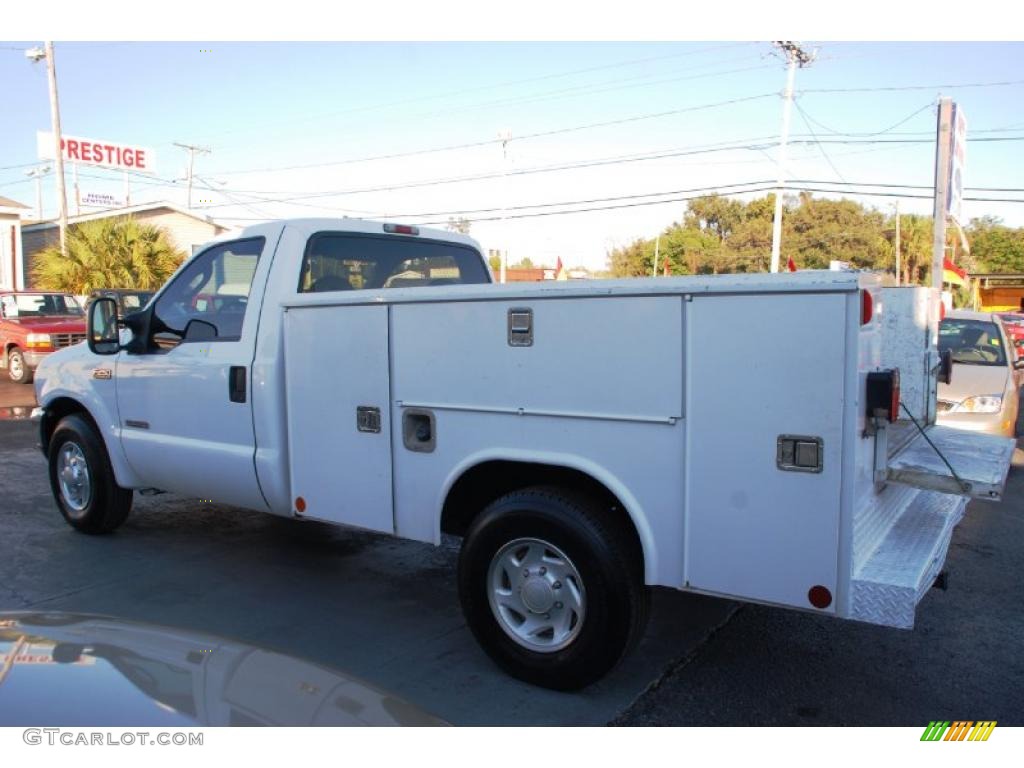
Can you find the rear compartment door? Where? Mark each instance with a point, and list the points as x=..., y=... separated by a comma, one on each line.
x=759, y=369
x=339, y=431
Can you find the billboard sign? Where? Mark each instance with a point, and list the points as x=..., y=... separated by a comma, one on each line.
x=957, y=162
x=105, y=154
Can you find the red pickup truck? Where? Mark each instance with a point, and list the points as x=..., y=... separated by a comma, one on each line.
x=33, y=324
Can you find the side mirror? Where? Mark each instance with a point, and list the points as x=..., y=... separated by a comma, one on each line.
x=200, y=330
x=102, y=334
x=945, y=372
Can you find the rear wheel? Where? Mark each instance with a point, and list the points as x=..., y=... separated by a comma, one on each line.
x=82, y=479
x=17, y=368
x=552, y=587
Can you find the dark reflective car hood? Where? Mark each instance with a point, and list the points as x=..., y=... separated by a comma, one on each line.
x=80, y=670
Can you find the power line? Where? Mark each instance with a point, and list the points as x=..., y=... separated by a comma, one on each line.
x=637, y=200
x=908, y=118
x=589, y=164
x=490, y=142
x=494, y=86
x=817, y=142
x=876, y=89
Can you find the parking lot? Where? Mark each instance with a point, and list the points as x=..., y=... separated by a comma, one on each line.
x=387, y=611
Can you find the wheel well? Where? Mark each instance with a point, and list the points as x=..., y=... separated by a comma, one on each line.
x=55, y=411
x=485, y=482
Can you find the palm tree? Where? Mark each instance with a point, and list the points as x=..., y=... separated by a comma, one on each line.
x=108, y=253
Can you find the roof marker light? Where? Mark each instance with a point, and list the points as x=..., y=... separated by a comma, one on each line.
x=867, y=307
x=401, y=229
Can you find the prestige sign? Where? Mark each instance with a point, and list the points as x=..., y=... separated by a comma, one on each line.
x=106, y=154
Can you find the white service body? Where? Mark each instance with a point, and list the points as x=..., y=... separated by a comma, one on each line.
x=671, y=393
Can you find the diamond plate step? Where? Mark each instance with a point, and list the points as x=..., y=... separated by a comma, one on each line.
x=890, y=579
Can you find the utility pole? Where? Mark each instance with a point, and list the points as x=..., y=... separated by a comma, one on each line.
x=191, y=149
x=505, y=136
x=37, y=54
x=897, y=242
x=37, y=173
x=657, y=245
x=796, y=56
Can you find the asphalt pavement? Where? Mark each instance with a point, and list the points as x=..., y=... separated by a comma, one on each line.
x=386, y=610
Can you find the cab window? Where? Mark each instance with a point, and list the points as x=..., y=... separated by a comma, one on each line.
x=352, y=262
x=207, y=301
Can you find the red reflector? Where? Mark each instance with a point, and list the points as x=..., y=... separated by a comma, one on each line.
x=300, y=505
x=401, y=229
x=942, y=311
x=819, y=596
x=894, y=405
x=867, y=307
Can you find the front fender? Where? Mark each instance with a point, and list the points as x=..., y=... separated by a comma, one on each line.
x=66, y=382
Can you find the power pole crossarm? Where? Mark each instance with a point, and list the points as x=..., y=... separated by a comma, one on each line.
x=795, y=57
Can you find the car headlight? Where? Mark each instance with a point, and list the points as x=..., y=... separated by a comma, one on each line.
x=981, y=404
x=38, y=341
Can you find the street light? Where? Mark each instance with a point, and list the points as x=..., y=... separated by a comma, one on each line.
x=37, y=173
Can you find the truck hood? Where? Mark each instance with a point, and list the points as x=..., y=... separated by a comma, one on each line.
x=50, y=324
x=969, y=380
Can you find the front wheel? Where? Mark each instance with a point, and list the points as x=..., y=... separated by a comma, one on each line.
x=552, y=587
x=82, y=479
x=17, y=368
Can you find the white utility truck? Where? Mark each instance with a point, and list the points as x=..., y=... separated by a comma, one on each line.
x=738, y=435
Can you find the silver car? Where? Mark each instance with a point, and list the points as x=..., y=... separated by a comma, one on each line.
x=983, y=395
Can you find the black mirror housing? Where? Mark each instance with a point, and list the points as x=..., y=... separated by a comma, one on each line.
x=946, y=367
x=102, y=327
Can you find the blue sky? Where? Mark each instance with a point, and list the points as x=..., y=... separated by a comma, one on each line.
x=263, y=108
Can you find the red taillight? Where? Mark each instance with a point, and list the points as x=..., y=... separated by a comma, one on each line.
x=883, y=394
x=401, y=229
x=300, y=505
x=894, y=402
x=867, y=307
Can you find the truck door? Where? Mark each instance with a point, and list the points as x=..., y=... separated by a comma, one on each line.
x=339, y=425
x=764, y=409
x=184, y=405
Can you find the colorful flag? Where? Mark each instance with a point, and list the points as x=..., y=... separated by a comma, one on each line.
x=560, y=273
x=791, y=265
x=952, y=274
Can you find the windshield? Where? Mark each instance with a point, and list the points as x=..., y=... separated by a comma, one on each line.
x=41, y=305
x=972, y=342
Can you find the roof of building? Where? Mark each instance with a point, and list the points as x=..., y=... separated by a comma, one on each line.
x=128, y=211
x=11, y=207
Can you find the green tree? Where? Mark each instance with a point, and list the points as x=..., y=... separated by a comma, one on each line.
x=995, y=247
x=495, y=261
x=108, y=253
x=524, y=263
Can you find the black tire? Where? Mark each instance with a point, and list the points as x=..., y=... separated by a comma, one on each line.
x=16, y=362
x=106, y=504
x=609, y=562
